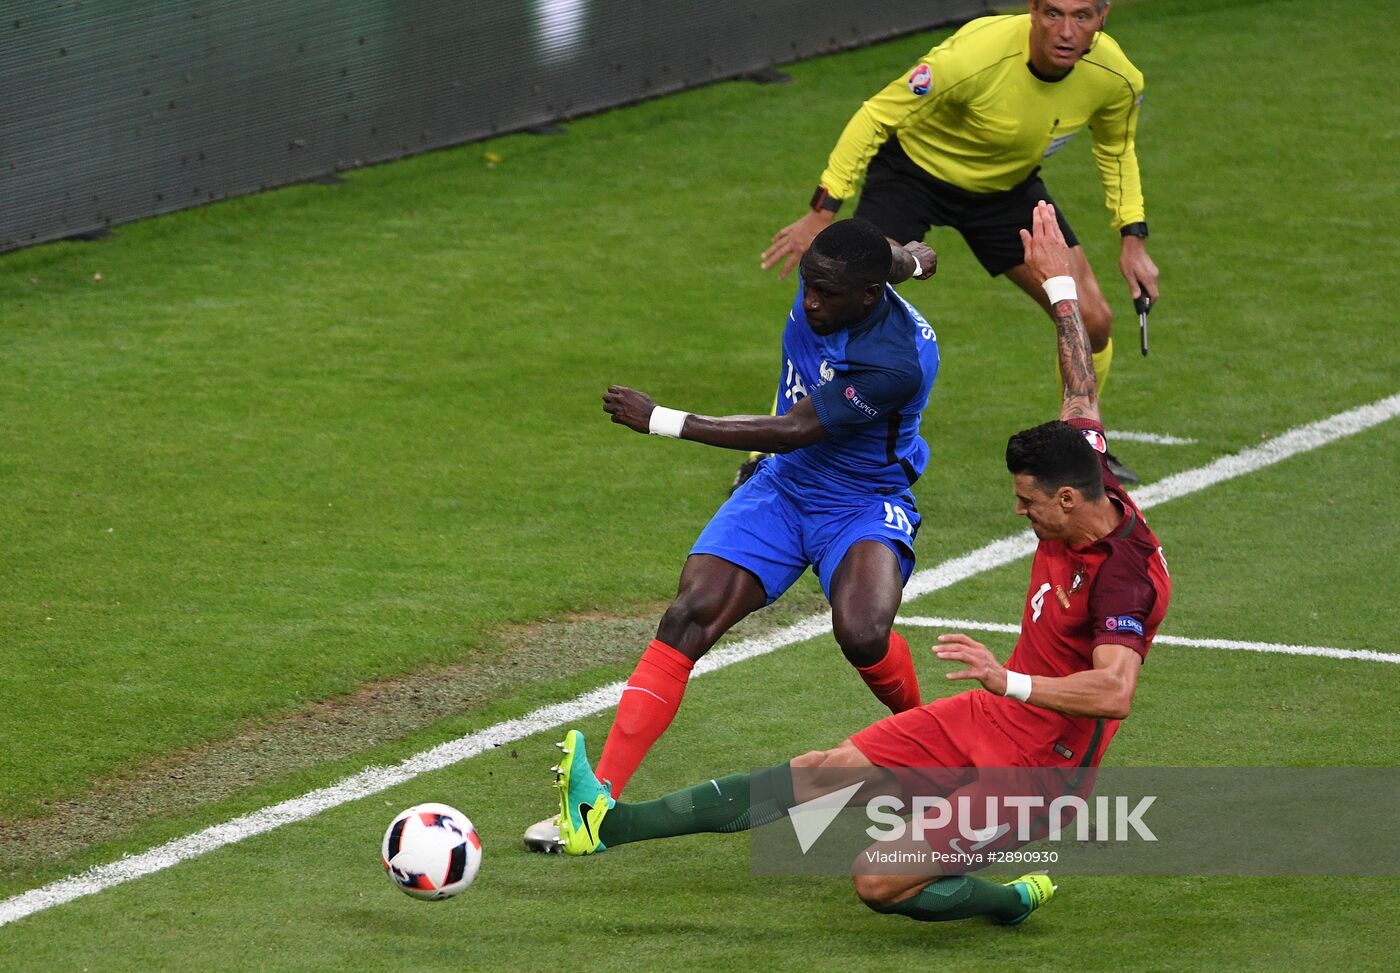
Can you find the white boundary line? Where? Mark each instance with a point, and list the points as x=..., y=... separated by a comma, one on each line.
x=1297, y=440
x=373, y=780
x=1323, y=651
x=1160, y=439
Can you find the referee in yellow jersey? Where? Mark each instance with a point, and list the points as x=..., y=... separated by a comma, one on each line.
x=958, y=141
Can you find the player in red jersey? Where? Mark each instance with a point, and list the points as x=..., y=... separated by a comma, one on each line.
x=1099, y=589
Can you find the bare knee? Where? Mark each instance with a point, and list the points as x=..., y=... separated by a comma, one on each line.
x=714, y=594
x=863, y=641
x=814, y=774
x=879, y=892
x=823, y=771
x=691, y=607
x=693, y=622
x=873, y=890
x=845, y=754
x=812, y=758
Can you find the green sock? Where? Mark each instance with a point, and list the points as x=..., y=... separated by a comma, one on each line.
x=961, y=897
x=721, y=805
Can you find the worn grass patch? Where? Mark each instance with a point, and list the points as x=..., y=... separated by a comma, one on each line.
x=324, y=732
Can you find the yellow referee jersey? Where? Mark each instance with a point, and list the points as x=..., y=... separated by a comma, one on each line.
x=973, y=114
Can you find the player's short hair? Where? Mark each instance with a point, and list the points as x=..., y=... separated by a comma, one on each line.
x=1055, y=454
x=860, y=246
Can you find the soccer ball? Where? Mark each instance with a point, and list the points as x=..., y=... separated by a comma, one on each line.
x=431, y=851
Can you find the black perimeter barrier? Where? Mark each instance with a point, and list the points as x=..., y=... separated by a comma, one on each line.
x=116, y=110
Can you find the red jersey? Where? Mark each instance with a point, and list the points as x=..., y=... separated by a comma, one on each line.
x=1114, y=590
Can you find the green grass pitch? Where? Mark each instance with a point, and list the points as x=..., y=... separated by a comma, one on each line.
x=295, y=445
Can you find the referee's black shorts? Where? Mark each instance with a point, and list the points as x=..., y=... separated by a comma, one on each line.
x=903, y=200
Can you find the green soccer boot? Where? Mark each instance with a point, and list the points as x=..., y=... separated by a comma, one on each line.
x=1035, y=890
x=583, y=800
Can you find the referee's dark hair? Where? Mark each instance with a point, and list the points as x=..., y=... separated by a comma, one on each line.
x=1055, y=454
x=860, y=246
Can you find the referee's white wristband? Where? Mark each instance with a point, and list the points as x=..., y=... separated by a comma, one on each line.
x=1018, y=684
x=1060, y=289
x=918, y=269
x=666, y=422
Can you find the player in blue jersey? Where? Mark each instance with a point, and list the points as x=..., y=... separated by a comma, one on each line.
x=858, y=364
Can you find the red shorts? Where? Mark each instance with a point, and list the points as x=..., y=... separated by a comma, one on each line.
x=950, y=732
x=952, y=748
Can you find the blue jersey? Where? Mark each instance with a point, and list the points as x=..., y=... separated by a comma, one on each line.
x=870, y=384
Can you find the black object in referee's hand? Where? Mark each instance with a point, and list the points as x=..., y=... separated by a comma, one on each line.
x=1142, y=304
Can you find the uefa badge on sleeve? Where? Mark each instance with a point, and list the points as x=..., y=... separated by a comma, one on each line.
x=921, y=80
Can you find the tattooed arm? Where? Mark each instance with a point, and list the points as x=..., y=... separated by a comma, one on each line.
x=1047, y=255
x=1076, y=364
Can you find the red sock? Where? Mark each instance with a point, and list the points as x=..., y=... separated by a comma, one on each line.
x=892, y=679
x=647, y=707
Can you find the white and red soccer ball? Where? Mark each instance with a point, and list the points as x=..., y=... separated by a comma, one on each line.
x=431, y=851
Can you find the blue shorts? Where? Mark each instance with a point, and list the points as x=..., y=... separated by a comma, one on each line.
x=775, y=530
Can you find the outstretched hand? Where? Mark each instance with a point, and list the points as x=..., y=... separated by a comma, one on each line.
x=792, y=241
x=1046, y=253
x=981, y=664
x=628, y=407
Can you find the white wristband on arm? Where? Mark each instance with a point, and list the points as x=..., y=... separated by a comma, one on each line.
x=918, y=269
x=1060, y=289
x=666, y=422
x=1018, y=684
